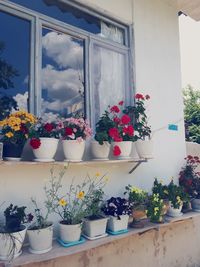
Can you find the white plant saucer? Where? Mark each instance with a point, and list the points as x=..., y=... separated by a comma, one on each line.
x=39, y=251
x=44, y=160
x=15, y=256
x=100, y=159
x=170, y=217
x=73, y=160
x=95, y=237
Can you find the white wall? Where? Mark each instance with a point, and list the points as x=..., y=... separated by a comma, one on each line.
x=157, y=71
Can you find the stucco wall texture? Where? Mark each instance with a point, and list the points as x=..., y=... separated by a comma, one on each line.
x=176, y=245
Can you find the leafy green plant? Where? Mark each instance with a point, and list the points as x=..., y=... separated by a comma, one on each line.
x=176, y=195
x=155, y=208
x=159, y=188
x=136, y=196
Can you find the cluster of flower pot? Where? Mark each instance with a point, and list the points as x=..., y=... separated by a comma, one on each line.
x=83, y=211
x=116, y=131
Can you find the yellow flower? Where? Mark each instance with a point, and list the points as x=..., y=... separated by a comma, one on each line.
x=97, y=174
x=161, y=181
x=62, y=202
x=166, y=192
x=80, y=195
x=9, y=134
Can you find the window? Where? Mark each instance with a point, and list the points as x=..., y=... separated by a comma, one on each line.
x=14, y=69
x=67, y=58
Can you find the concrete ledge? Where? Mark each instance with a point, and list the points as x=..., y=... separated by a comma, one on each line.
x=27, y=259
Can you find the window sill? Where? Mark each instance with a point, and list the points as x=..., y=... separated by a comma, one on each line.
x=58, y=251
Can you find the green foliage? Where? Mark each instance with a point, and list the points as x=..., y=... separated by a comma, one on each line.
x=176, y=195
x=192, y=114
x=136, y=196
x=102, y=127
x=155, y=208
x=159, y=188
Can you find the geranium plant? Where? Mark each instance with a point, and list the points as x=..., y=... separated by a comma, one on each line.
x=138, y=116
x=75, y=128
x=117, y=206
x=189, y=178
x=43, y=129
x=16, y=127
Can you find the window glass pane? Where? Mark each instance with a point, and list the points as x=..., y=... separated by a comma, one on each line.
x=14, y=63
x=75, y=17
x=62, y=73
x=109, y=79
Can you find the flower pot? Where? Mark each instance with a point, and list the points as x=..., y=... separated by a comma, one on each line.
x=70, y=233
x=12, y=152
x=47, y=149
x=172, y=212
x=195, y=204
x=138, y=214
x=100, y=152
x=94, y=228
x=114, y=224
x=144, y=148
x=125, y=147
x=40, y=240
x=11, y=244
x=73, y=149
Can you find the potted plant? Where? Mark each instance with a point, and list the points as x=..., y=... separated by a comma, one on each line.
x=12, y=234
x=162, y=190
x=100, y=148
x=189, y=178
x=155, y=208
x=122, y=133
x=72, y=206
x=176, y=196
x=138, y=200
x=44, y=137
x=40, y=232
x=15, y=132
x=94, y=225
x=118, y=209
x=144, y=144
x=74, y=132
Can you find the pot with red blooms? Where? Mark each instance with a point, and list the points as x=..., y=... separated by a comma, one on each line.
x=120, y=131
x=74, y=132
x=44, y=137
x=189, y=178
x=144, y=143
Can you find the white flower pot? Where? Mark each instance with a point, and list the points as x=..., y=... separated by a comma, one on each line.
x=40, y=240
x=73, y=149
x=195, y=204
x=70, y=233
x=114, y=224
x=11, y=244
x=100, y=152
x=47, y=149
x=94, y=228
x=125, y=147
x=144, y=148
x=172, y=212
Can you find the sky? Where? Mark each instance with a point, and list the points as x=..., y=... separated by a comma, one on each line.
x=190, y=51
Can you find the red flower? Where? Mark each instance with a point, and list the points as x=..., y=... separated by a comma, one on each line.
x=147, y=97
x=23, y=129
x=139, y=96
x=125, y=119
x=68, y=131
x=35, y=143
x=189, y=182
x=196, y=158
x=116, y=151
x=117, y=139
x=113, y=132
x=48, y=127
x=121, y=103
x=129, y=130
x=115, y=109
x=190, y=157
x=116, y=120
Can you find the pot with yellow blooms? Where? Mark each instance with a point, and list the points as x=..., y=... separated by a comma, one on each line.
x=155, y=208
x=14, y=133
